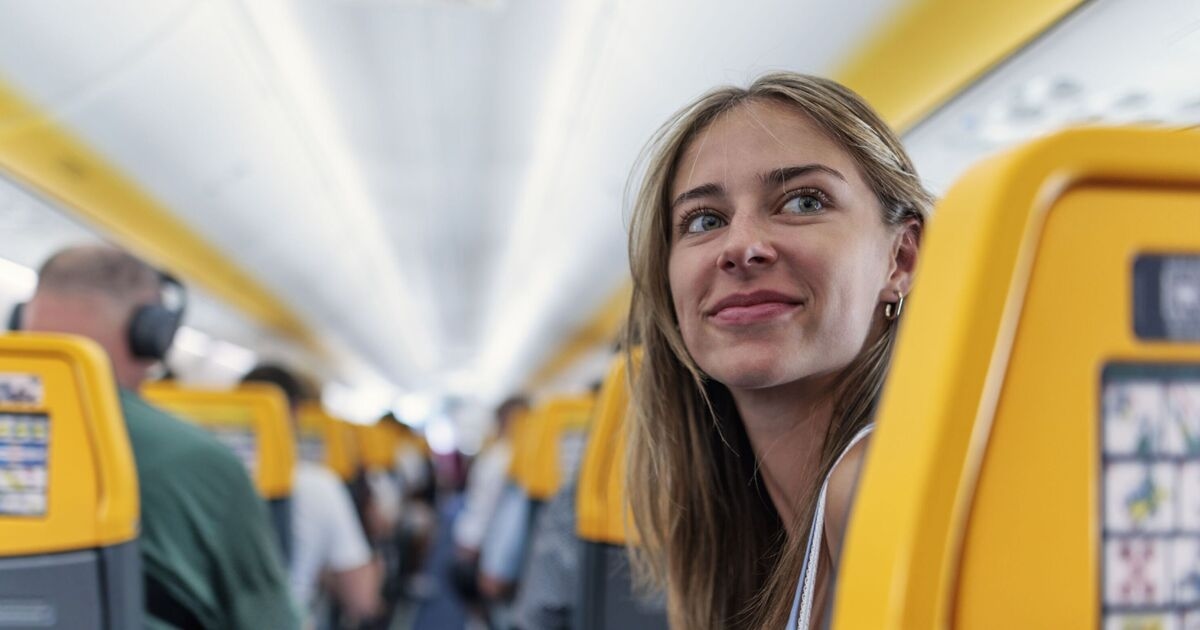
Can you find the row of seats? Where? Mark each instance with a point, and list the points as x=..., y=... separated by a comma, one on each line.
x=1035, y=459
x=69, y=513
x=607, y=597
x=252, y=420
x=574, y=445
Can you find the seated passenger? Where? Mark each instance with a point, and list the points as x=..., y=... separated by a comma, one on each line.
x=327, y=536
x=485, y=483
x=209, y=555
x=773, y=240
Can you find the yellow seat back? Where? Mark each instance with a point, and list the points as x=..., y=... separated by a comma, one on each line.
x=312, y=434
x=252, y=419
x=525, y=437
x=69, y=480
x=68, y=489
x=1006, y=485
x=377, y=444
x=600, y=506
x=339, y=445
x=564, y=426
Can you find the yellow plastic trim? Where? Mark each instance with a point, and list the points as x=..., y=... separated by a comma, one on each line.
x=599, y=331
x=40, y=152
x=349, y=460
x=932, y=49
x=601, y=508
x=560, y=417
x=260, y=408
x=899, y=568
x=92, y=491
x=525, y=428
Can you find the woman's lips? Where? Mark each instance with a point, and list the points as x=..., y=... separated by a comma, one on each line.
x=753, y=314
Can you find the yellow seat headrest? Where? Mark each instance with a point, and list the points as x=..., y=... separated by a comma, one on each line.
x=253, y=419
x=600, y=504
x=69, y=481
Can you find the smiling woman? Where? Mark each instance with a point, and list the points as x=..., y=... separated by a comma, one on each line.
x=773, y=239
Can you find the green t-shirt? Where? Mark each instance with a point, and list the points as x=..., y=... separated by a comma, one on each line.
x=208, y=551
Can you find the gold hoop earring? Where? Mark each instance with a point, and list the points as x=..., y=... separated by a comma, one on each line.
x=891, y=310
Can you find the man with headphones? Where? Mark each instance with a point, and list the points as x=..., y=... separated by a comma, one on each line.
x=209, y=559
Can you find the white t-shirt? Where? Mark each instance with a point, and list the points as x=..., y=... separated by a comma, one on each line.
x=326, y=533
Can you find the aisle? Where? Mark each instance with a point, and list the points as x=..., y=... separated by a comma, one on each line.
x=443, y=610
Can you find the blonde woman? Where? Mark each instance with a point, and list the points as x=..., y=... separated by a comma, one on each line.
x=773, y=240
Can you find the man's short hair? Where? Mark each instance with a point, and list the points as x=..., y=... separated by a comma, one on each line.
x=511, y=405
x=97, y=268
x=295, y=389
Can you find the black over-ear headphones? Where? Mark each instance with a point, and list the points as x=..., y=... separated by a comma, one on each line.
x=16, y=316
x=153, y=326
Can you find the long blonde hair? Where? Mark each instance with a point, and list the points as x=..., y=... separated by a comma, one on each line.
x=709, y=533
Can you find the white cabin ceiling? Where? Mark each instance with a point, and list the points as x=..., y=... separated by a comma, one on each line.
x=435, y=188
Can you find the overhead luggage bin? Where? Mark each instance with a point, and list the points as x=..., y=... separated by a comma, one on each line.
x=68, y=490
x=253, y=421
x=1036, y=462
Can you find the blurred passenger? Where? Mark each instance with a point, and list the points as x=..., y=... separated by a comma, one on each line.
x=550, y=583
x=773, y=241
x=413, y=470
x=504, y=544
x=485, y=485
x=504, y=548
x=385, y=508
x=209, y=555
x=329, y=545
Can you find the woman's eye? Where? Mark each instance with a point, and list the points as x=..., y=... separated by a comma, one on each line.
x=805, y=203
x=703, y=222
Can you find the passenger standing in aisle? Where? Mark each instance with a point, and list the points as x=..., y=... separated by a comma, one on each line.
x=774, y=238
x=209, y=555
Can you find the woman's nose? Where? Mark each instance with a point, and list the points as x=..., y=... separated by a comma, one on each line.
x=747, y=246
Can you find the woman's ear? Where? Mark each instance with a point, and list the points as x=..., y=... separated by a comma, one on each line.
x=906, y=245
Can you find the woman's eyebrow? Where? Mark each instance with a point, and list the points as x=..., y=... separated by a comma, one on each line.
x=781, y=176
x=706, y=190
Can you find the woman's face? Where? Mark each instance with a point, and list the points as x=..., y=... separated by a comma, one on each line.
x=780, y=259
